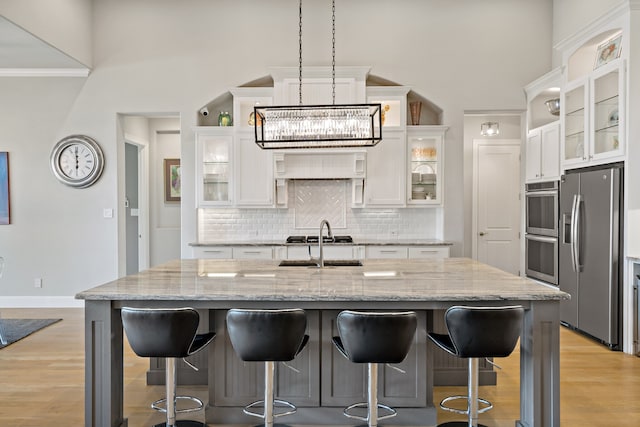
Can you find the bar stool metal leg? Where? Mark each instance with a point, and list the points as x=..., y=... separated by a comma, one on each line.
x=269, y=402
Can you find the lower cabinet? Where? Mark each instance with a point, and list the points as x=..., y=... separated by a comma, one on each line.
x=239, y=383
x=346, y=382
x=404, y=252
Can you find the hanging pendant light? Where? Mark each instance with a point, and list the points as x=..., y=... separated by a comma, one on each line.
x=318, y=126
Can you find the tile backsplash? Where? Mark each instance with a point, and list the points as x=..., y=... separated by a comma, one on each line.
x=309, y=202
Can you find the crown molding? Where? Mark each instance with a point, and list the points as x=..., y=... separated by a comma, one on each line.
x=44, y=72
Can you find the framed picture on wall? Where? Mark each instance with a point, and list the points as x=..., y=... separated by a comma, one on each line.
x=172, y=180
x=608, y=51
x=4, y=188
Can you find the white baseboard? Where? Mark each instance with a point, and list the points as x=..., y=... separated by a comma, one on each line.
x=40, y=302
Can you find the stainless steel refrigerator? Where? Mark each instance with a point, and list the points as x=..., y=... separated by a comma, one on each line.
x=590, y=267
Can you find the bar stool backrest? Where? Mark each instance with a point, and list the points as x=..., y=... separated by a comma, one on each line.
x=153, y=332
x=376, y=337
x=266, y=335
x=484, y=331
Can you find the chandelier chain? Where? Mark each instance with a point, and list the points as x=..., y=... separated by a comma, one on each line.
x=300, y=52
x=333, y=50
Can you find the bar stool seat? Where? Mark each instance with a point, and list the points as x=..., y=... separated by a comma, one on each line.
x=373, y=338
x=475, y=333
x=171, y=334
x=268, y=336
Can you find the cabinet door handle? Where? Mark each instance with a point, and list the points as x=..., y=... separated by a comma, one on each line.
x=482, y=233
x=213, y=252
x=388, y=251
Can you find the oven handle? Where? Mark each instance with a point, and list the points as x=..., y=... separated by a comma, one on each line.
x=572, y=234
x=542, y=193
x=544, y=239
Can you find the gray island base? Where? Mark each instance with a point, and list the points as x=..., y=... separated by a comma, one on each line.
x=323, y=382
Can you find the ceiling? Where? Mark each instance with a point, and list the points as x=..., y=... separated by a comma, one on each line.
x=20, y=49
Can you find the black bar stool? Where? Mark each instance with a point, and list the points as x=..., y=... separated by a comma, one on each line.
x=373, y=338
x=268, y=336
x=169, y=333
x=475, y=333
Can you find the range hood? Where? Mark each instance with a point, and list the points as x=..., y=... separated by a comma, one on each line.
x=320, y=164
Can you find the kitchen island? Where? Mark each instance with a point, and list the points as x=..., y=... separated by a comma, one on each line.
x=213, y=286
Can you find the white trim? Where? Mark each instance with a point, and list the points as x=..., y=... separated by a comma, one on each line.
x=40, y=302
x=44, y=72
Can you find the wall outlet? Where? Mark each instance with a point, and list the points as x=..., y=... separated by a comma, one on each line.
x=37, y=282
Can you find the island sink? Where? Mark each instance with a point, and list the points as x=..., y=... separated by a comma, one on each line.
x=327, y=263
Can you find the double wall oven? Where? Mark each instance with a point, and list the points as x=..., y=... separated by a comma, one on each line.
x=541, y=247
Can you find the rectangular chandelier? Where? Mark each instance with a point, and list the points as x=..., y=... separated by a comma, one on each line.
x=318, y=126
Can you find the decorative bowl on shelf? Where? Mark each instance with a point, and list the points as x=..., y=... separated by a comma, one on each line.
x=554, y=106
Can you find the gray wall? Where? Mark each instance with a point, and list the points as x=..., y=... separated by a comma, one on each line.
x=163, y=56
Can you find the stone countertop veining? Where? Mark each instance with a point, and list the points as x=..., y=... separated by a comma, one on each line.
x=356, y=242
x=449, y=279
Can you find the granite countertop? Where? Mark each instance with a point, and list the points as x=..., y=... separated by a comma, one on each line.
x=449, y=279
x=362, y=242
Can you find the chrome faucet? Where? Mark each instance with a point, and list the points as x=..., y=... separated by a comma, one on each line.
x=320, y=239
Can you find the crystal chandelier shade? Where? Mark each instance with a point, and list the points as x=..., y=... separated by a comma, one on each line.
x=318, y=126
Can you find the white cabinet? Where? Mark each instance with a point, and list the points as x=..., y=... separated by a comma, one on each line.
x=233, y=252
x=386, y=176
x=404, y=252
x=214, y=147
x=254, y=183
x=428, y=252
x=387, y=252
x=593, y=113
x=425, y=160
x=543, y=153
x=213, y=252
x=252, y=252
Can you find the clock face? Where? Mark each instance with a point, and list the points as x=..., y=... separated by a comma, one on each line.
x=77, y=161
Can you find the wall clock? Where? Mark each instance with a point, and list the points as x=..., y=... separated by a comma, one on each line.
x=77, y=161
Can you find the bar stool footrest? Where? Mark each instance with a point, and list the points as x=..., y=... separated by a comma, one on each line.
x=488, y=405
x=183, y=423
x=458, y=424
x=199, y=405
x=276, y=404
x=365, y=405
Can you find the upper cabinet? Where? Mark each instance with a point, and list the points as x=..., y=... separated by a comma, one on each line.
x=543, y=153
x=543, y=128
x=594, y=91
x=593, y=115
x=425, y=165
x=214, y=184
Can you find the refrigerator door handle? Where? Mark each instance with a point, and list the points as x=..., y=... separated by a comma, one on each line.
x=576, y=240
x=572, y=235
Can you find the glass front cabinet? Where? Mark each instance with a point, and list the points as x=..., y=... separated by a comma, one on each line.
x=213, y=165
x=425, y=152
x=593, y=114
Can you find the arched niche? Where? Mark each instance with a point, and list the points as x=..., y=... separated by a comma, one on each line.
x=582, y=61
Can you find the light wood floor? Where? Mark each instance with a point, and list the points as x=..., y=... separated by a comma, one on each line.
x=42, y=381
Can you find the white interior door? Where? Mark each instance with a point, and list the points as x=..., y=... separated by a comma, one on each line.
x=496, y=202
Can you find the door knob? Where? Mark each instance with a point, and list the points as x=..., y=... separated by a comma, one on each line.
x=482, y=233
